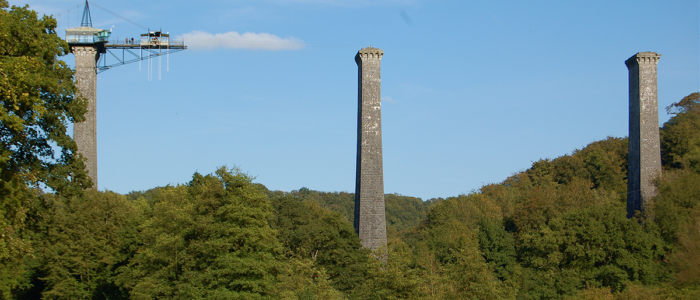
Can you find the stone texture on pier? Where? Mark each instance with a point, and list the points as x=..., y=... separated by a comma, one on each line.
x=85, y=133
x=644, y=149
x=370, y=220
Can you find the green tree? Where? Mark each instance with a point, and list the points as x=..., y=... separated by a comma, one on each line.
x=82, y=246
x=686, y=257
x=679, y=193
x=209, y=239
x=403, y=212
x=300, y=280
x=36, y=103
x=395, y=279
x=498, y=248
x=308, y=231
x=595, y=246
x=680, y=136
x=602, y=163
x=341, y=202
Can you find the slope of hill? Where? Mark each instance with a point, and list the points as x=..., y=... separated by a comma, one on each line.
x=557, y=230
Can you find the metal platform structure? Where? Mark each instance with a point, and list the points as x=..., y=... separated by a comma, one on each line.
x=150, y=45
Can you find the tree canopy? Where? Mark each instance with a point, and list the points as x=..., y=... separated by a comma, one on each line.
x=37, y=100
x=557, y=230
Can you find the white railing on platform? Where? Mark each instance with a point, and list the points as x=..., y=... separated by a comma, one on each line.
x=151, y=43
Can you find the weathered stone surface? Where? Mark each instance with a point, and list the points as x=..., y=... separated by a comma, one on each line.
x=370, y=220
x=644, y=150
x=85, y=133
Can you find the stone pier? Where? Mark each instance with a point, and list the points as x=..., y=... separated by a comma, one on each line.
x=644, y=149
x=85, y=133
x=370, y=221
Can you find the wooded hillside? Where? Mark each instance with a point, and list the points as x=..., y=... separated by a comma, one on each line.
x=557, y=230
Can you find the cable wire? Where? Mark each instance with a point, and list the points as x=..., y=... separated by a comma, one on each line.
x=119, y=16
x=67, y=12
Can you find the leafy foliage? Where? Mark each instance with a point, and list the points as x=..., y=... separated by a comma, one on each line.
x=597, y=246
x=209, y=239
x=82, y=245
x=679, y=193
x=557, y=230
x=38, y=99
x=36, y=102
x=402, y=212
x=299, y=279
x=685, y=258
x=308, y=231
x=680, y=136
x=498, y=248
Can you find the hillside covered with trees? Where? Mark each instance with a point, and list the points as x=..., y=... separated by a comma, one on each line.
x=557, y=230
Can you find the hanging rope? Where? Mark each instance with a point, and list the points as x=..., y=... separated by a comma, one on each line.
x=150, y=68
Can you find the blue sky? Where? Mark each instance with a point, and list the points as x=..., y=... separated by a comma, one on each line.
x=473, y=91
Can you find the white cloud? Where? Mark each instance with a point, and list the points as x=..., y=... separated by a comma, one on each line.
x=388, y=99
x=200, y=40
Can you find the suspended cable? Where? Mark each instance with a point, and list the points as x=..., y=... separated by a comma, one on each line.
x=67, y=12
x=119, y=16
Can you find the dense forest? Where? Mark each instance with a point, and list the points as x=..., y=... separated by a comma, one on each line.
x=557, y=230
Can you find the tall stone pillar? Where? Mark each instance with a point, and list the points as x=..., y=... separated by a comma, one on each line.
x=85, y=133
x=644, y=150
x=370, y=221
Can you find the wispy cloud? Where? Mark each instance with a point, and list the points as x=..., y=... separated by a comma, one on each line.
x=200, y=40
x=388, y=99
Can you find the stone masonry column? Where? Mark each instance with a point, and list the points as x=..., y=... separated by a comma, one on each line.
x=370, y=221
x=644, y=150
x=85, y=133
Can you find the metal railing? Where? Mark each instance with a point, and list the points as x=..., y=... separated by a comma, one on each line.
x=162, y=43
x=86, y=39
